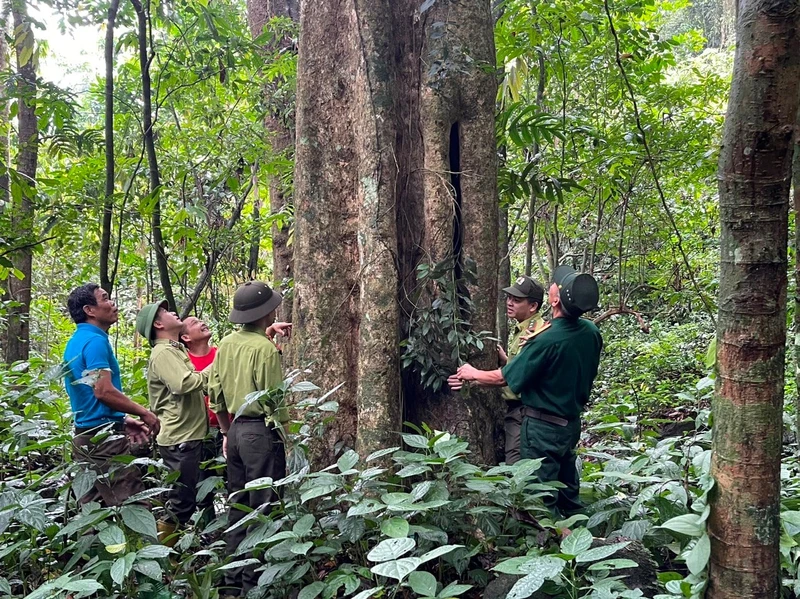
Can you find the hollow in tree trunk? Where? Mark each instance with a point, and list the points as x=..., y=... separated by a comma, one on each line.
x=395, y=165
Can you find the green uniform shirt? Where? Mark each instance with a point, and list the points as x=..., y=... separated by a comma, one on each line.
x=555, y=370
x=531, y=323
x=247, y=361
x=176, y=393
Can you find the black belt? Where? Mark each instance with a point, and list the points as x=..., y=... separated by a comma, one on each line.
x=543, y=416
x=117, y=427
x=250, y=419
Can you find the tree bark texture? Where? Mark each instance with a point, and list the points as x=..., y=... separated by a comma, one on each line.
x=279, y=123
x=754, y=178
x=796, y=323
x=395, y=165
x=106, y=278
x=22, y=208
x=154, y=174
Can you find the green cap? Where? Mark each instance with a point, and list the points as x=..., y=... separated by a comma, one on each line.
x=526, y=288
x=145, y=318
x=578, y=291
x=252, y=301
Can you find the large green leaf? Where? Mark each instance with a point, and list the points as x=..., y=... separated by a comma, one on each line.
x=599, y=553
x=397, y=569
x=122, y=567
x=395, y=527
x=698, y=557
x=391, y=549
x=312, y=590
x=347, y=461
x=423, y=583
x=139, y=519
x=438, y=552
x=539, y=570
x=579, y=541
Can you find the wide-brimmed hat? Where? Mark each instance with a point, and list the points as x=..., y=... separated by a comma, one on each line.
x=146, y=317
x=526, y=288
x=252, y=301
x=578, y=291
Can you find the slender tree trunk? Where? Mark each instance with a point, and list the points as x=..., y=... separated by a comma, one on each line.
x=106, y=279
x=279, y=123
x=22, y=208
x=503, y=275
x=5, y=158
x=754, y=176
x=152, y=159
x=255, y=242
x=395, y=163
x=728, y=23
x=796, y=327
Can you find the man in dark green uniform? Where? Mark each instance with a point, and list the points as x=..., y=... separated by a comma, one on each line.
x=248, y=362
x=553, y=374
x=523, y=300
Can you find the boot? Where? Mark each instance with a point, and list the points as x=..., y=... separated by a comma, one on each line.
x=167, y=533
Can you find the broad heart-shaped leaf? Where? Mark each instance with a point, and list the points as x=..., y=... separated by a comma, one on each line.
x=599, y=553
x=139, y=519
x=540, y=569
x=697, y=559
x=347, y=461
x=83, y=482
x=397, y=569
x=439, y=551
x=391, y=549
x=122, y=567
x=312, y=590
x=687, y=524
x=579, y=541
x=395, y=528
x=423, y=583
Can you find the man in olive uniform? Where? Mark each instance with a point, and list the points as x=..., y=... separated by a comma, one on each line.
x=553, y=374
x=177, y=397
x=523, y=300
x=247, y=362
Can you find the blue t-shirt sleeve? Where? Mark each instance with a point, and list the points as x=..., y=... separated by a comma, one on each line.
x=97, y=354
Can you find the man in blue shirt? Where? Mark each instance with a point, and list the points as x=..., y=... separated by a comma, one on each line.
x=98, y=404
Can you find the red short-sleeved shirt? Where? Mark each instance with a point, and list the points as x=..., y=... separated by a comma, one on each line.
x=200, y=363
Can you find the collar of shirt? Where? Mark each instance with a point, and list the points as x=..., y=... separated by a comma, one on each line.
x=91, y=328
x=249, y=328
x=171, y=342
x=521, y=326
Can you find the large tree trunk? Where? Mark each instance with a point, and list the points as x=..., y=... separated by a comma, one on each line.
x=22, y=208
x=395, y=164
x=154, y=175
x=279, y=123
x=754, y=175
x=106, y=278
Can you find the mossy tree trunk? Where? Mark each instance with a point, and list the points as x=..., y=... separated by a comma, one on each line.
x=754, y=176
x=395, y=164
x=279, y=124
x=22, y=203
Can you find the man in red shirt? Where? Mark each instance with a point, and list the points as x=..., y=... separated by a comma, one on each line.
x=196, y=335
